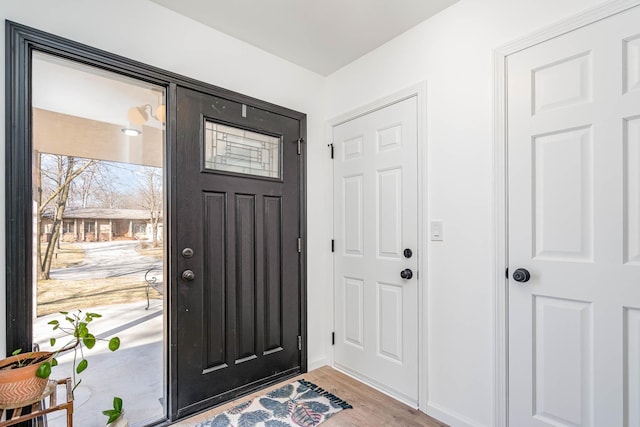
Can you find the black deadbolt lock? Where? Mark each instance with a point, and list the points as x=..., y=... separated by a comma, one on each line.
x=408, y=253
x=187, y=252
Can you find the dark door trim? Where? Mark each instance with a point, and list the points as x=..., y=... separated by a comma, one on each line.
x=21, y=41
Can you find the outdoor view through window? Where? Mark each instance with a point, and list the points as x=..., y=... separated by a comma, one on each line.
x=98, y=198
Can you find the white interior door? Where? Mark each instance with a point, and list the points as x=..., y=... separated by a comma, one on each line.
x=375, y=217
x=574, y=224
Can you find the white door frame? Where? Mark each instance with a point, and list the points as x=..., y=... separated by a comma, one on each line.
x=420, y=92
x=500, y=243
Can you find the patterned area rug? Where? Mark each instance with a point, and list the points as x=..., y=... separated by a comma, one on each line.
x=300, y=403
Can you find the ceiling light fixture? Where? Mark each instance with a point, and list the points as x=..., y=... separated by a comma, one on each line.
x=161, y=113
x=131, y=131
x=140, y=115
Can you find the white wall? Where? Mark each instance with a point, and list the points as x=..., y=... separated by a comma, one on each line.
x=149, y=33
x=453, y=53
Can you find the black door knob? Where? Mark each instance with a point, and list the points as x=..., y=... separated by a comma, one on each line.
x=188, y=275
x=408, y=253
x=521, y=275
x=406, y=274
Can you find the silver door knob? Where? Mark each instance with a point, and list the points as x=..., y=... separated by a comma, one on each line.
x=188, y=275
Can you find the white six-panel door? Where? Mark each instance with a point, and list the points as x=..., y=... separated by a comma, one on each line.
x=375, y=220
x=574, y=223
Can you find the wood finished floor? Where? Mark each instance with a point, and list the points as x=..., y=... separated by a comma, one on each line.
x=370, y=407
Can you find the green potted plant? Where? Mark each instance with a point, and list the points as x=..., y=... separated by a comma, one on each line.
x=75, y=327
x=24, y=376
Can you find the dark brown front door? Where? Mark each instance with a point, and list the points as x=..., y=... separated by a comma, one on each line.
x=238, y=220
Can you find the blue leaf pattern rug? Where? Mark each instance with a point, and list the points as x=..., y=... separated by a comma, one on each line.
x=300, y=403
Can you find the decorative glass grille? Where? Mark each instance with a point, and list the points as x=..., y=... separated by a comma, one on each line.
x=237, y=150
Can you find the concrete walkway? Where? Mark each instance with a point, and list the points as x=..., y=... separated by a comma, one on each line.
x=108, y=259
x=135, y=372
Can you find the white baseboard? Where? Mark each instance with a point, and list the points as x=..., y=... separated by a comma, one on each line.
x=376, y=385
x=450, y=417
x=318, y=363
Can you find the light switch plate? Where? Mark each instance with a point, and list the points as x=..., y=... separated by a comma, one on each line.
x=437, y=231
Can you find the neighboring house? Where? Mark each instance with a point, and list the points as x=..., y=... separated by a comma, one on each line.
x=101, y=224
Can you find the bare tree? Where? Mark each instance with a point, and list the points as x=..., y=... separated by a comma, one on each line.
x=150, y=190
x=107, y=194
x=57, y=183
x=82, y=187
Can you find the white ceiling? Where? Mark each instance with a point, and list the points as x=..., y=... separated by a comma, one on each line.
x=320, y=35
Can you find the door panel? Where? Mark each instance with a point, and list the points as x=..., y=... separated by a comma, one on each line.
x=238, y=208
x=632, y=195
x=375, y=217
x=573, y=191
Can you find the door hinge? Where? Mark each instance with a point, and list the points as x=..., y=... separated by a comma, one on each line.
x=331, y=149
x=333, y=245
x=333, y=338
x=299, y=343
x=506, y=272
x=299, y=245
x=300, y=141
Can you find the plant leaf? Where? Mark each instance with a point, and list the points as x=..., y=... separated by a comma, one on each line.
x=44, y=370
x=54, y=362
x=281, y=392
x=64, y=313
x=240, y=407
x=279, y=409
x=52, y=342
x=112, y=414
x=82, y=366
x=250, y=419
x=220, y=421
x=82, y=330
x=16, y=352
x=117, y=404
x=316, y=406
x=276, y=423
x=114, y=343
x=89, y=341
x=53, y=322
x=309, y=394
x=305, y=416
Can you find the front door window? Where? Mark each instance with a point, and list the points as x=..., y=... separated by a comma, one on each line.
x=237, y=150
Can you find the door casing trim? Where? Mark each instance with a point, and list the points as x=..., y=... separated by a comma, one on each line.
x=499, y=204
x=21, y=41
x=418, y=90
